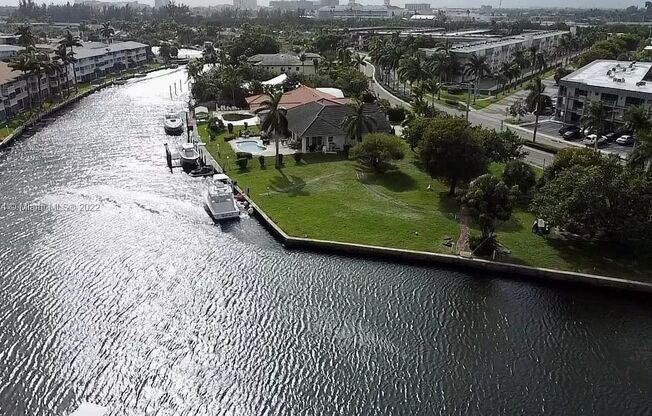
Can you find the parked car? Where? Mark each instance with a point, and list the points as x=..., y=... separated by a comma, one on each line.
x=611, y=137
x=625, y=140
x=567, y=128
x=591, y=138
x=572, y=134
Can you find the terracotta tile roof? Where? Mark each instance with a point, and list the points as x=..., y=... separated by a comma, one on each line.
x=296, y=97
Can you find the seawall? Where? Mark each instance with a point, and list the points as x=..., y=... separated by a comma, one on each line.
x=422, y=257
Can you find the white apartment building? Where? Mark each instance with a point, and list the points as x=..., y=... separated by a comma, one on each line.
x=96, y=59
x=285, y=63
x=13, y=89
x=245, y=4
x=498, y=51
x=9, y=51
x=616, y=84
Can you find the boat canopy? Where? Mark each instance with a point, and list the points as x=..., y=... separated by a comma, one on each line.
x=221, y=177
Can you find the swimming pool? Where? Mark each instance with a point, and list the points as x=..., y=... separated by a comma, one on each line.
x=250, y=146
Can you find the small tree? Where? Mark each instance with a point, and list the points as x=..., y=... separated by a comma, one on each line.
x=414, y=129
x=518, y=109
x=488, y=200
x=242, y=163
x=519, y=174
x=261, y=160
x=451, y=150
x=230, y=127
x=377, y=150
x=500, y=146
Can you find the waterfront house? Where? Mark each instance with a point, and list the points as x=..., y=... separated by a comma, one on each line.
x=317, y=126
x=299, y=96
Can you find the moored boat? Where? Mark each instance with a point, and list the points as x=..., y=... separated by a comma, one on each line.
x=220, y=199
x=173, y=124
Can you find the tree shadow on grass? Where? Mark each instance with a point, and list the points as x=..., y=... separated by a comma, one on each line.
x=394, y=180
x=510, y=226
x=447, y=204
x=291, y=185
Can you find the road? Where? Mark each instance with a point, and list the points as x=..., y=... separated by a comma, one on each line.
x=534, y=156
x=493, y=117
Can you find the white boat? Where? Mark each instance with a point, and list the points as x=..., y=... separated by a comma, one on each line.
x=173, y=124
x=220, y=199
x=188, y=156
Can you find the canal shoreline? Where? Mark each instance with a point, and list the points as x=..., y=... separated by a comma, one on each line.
x=515, y=271
x=18, y=131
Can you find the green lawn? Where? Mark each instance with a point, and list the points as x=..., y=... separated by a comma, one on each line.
x=329, y=197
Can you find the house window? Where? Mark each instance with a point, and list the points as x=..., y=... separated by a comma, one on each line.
x=331, y=139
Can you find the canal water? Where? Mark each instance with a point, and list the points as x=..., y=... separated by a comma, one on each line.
x=117, y=288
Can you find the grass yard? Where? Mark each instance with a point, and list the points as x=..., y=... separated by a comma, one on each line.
x=329, y=197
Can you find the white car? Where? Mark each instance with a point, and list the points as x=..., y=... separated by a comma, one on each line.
x=625, y=140
x=591, y=138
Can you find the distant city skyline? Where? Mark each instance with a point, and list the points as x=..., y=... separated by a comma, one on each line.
x=605, y=4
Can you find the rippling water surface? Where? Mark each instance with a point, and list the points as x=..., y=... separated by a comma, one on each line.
x=142, y=304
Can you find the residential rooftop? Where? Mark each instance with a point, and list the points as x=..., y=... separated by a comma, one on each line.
x=275, y=59
x=620, y=75
x=91, y=49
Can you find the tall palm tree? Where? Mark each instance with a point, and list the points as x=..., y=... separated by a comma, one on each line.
x=23, y=63
x=275, y=121
x=478, y=68
x=359, y=61
x=437, y=67
x=194, y=69
x=62, y=56
x=637, y=119
x=642, y=154
x=595, y=119
x=302, y=58
x=430, y=86
x=413, y=69
x=25, y=36
x=107, y=31
x=522, y=62
x=532, y=55
x=70, y=41
x=358, y=123
x=507, y=70
x=535, y=101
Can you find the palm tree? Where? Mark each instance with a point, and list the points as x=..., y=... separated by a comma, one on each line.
x=107, y=31
x=521, y=62
x=70, y=41
x=359, y=61
x=164, y=50
x=194, y=69
x=23, y=63
x=437, y=68
x=275, y=121
x=637, y=119
x=412, y=69
x=478, y=68
x=507, y=70
x=535, y=101
x=595, y=119
x=302, y=58
x=430, y=86
x=358, y=123
x=61, y=56
x=532, y=55
x=344, y=56
x=642, y=154
x=25, y=36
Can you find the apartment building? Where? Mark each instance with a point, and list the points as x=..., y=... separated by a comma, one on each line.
x=95, y=59
x=9, y=51
x=360, y=12
x=245, y=4
x=285, y=63
x=14, y=92
x=498, y=51
x=616, y=84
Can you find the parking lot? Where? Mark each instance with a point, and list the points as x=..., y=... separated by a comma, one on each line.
x=551, y=128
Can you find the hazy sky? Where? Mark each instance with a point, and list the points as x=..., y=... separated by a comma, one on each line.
x=435, y=3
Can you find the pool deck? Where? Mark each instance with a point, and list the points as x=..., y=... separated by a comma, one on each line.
x=252, y=121
x=269, y=151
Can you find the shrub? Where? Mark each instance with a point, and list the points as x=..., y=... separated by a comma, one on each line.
x=456, y=90
x=396, y=115
x=230, y=128
x=297, y=157
x=451, y=102
x=244, y=155
x=261, y=160
x=229, y=138
x=519, y=174
x=242, y=163
x=246, y=125
x=378, y=150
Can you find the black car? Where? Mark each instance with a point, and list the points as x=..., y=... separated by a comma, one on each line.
x=566, y=129
x=611, y=137
x=572, y=134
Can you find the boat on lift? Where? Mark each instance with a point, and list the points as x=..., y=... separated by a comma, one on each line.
x=188, y=156
x=220, y=200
